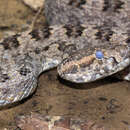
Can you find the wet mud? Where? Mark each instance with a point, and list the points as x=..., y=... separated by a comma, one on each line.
x=106, y=102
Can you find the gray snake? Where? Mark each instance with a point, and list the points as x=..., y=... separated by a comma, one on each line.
x=87, y=40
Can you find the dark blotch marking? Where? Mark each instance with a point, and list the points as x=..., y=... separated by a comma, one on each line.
x=24, y=71
x=35, y=34
x=104, y=33
x=46, y=31
x=10, y=42
x=62, y=46
x=112, y=5
x=128, y=41
x=66, y=48
x=4, y=77
x=107, y=5
x=74, y=30
x=99, y=35
x=69, y=30
x=77, y=3
x=118, y=6
x=108, y=35
x=46, y=48
x=37, y=50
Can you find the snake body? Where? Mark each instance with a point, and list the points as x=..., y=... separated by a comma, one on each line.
x=86, y=40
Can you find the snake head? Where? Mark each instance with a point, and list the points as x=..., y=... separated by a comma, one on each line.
x=89, y=65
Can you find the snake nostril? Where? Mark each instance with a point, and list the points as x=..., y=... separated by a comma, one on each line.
x=113, y=60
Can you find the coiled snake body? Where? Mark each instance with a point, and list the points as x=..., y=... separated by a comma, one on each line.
x=87, y=40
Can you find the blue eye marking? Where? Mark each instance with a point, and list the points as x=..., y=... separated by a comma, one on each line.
x=99, y=54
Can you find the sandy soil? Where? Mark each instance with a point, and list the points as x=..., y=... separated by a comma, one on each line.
x=106, y=101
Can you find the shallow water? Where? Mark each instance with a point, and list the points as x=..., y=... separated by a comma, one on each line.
x=106, y=101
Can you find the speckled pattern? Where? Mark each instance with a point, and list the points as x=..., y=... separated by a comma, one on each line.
x=106, y=18
x=70, y=45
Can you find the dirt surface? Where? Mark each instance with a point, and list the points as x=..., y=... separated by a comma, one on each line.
x=16, y=17
x=106, y=101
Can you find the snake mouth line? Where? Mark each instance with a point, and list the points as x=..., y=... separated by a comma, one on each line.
x=84, y=74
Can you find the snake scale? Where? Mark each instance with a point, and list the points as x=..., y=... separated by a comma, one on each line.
x=87, y=40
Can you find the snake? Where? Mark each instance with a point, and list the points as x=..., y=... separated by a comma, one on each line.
x=86, y=40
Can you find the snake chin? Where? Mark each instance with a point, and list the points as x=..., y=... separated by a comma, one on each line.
x=95, y=70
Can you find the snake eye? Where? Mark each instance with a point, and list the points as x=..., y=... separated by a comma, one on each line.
x=99, y=55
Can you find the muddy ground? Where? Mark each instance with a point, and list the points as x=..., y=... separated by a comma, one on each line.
x=106, y=101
